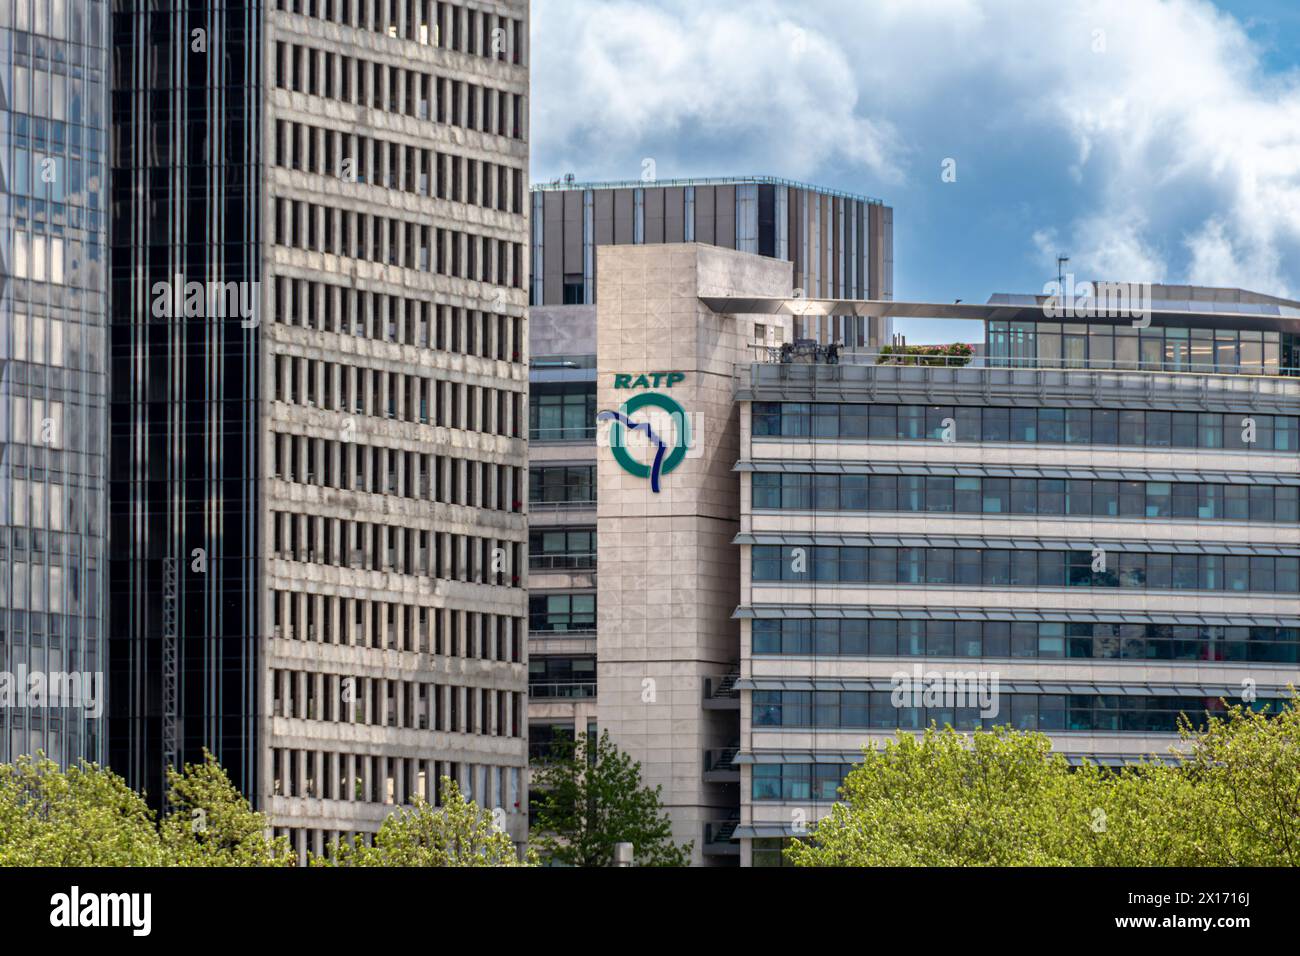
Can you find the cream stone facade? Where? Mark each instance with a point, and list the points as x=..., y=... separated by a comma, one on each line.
x=668, y=583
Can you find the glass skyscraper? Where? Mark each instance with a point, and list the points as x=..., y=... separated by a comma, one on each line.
x=52, y=377
x=319, y=382
x=183, y=454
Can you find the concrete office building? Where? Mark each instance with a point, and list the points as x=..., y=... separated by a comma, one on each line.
x=829, y=240
x=1088, y=534
x=1097, y=528
x=840, y=245
x=318, y=350
x=53, y=310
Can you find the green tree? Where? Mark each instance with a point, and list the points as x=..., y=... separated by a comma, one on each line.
x=1123, y=816
x=212, y=824
x=84, y=816
x=1230, y=797
x=945, y=799
x=1245, y=767
x=88, y=816
x=588, y=800
x=459, y=833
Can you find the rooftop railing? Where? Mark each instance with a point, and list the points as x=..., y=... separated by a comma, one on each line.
x=812, y=353
x=571, y=185
x=1047, y=384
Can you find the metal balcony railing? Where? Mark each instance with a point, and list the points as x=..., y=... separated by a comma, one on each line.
x=560, y=505
x=562, y=690
x=569, y=184
x=563, y=433
x=539, y=506
x=562, y=562
x=540, y=629
x=1101, y=365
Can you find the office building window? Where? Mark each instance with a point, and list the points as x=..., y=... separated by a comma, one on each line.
x=1098, y=345
x=877, y=710
x=562, y=411
x=1058, y=497
x=562, y=613
x=561, y=677
x=1027, y=568
x=562, y=485
x=770, y=851
x=1075, y=426
x=551, y=549
x=574, y=289
x=890, y=637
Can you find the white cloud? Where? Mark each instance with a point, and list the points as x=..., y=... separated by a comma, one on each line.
x=1167, y=151
x=1114, y=246
x=779, y=93
x=1181, y=134
x=1217, y=260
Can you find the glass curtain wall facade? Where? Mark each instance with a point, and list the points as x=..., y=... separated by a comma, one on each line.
x=1154, y=327
x=184, y=375
x=52, y=384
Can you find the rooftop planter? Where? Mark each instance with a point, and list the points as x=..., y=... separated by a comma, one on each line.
x=958, y=353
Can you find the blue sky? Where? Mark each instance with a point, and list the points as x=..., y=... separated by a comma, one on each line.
x=1149, y=140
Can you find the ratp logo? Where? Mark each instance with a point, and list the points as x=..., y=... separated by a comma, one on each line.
x=666, y=451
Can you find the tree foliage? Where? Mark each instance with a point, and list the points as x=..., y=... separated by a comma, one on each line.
x=459, y=833
x=212, y=824
x=1231, y=797
x=86, y=815
x=1246, y=768
x=589, y=797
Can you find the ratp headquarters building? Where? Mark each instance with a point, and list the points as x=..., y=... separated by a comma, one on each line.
x=1087, y=530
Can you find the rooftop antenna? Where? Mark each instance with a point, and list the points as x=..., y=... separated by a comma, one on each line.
x=1060, y=273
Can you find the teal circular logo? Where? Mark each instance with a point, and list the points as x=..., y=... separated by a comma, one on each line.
x=664, y=460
